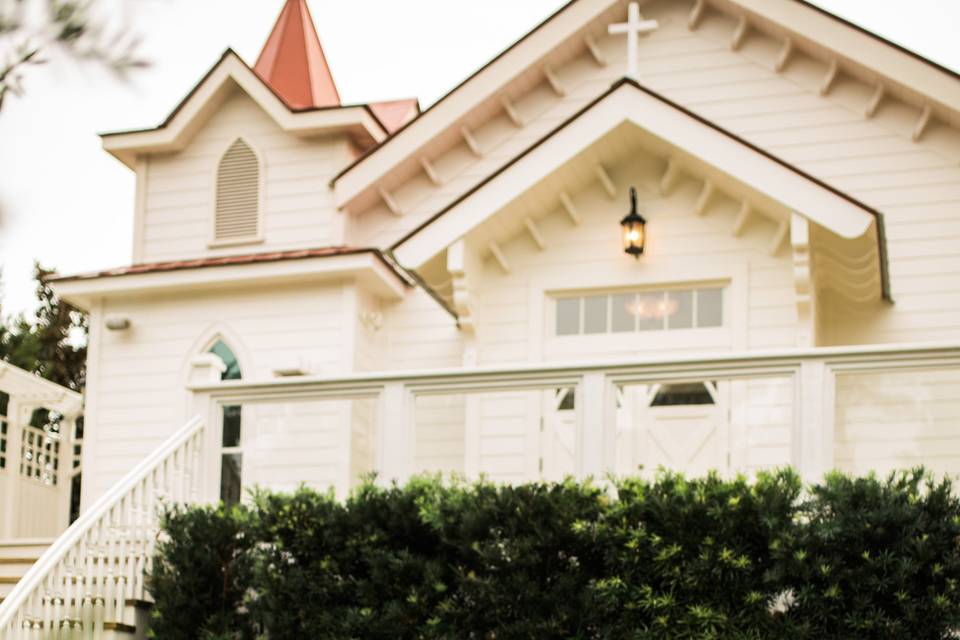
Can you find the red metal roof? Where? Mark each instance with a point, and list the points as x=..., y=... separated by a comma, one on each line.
x=250, y=258
x=393, y=114
x=292, y=61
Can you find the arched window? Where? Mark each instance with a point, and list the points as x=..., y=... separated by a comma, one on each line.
x=225, y=353
x=231, y=454
x=237, y=215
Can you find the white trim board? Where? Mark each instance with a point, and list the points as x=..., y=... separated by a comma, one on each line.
x=627, y=102
x=231, y=71
x=833, y=36
x=364, y=267
x=487, y=83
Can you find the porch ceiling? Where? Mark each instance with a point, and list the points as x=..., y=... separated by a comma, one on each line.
x=625, y=142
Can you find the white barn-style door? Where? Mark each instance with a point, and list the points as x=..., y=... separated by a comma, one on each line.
x=678, y=427
x=681, y=427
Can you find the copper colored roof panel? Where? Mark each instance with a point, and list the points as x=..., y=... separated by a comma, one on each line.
x=250, y=258
x=292, y=61
x=393, y=114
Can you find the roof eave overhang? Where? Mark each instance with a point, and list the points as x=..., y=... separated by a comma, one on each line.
x=449, y=111
x=206, y=97
x=367, y=267
x=688, y=133
x=31, y=390
x=937, y=86
x=857, y=47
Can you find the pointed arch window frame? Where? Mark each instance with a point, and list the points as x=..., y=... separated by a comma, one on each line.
x=233, y=447
x=258, y=237
x=212, y=344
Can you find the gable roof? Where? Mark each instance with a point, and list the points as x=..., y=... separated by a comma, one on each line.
x=864, y=50
x=292, y=61
x=682, y=129
x=539, y=41
x=207, y=95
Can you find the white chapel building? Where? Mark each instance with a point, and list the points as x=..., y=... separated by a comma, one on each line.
x=692, y=234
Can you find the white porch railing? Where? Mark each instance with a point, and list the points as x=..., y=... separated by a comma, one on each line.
x=812, y=373
x=35, y=462
x=85, y=579
x=100, y=563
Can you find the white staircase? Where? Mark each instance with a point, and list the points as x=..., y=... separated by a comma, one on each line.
x=90, y=583
x=16, y=557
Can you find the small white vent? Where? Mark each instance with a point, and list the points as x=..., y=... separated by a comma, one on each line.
x=238, y=194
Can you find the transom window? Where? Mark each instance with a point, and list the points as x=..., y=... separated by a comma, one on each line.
x=625, y=312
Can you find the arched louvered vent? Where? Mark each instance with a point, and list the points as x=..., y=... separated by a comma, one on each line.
x=238, y=194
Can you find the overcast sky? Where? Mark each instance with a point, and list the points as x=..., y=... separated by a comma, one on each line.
x=70, y=205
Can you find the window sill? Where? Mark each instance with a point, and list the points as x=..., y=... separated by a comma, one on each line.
x=234, y=242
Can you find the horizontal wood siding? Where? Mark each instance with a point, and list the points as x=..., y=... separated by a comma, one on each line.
x=513, y=315
x=296, y=205
x=898, y=420
x=139, y=395
x=916, y=185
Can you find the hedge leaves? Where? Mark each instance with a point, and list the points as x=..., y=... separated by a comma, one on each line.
x=673, y=558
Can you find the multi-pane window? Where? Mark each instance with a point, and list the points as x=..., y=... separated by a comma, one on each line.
x=231, y=467
x=4, y=403
x=231, y=454
x=639, y=311
x=40, y=447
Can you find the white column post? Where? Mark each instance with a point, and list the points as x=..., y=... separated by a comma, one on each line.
x=205, y=369
x=68, y=429
x=395, y=434
x=814, y=427
x=8, y=505
x=596, y=426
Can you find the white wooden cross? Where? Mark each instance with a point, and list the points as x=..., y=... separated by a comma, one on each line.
x=633, y=27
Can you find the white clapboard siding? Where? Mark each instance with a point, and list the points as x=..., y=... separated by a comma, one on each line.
x=916, y=184
x=760, y=303
x=296, y=207
x=290, y=444
x=897, y=420
x=138, y=395
x=440, y=445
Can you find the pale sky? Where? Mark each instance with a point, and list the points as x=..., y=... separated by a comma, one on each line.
x=67, y=203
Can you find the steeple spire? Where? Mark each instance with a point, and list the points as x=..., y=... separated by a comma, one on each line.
x=292, y=61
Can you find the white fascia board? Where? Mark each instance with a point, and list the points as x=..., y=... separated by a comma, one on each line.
x=31, y=388
x=176, y=133
x=677, y=128
x=451, y=109
x=857, y=47
x=365, y=267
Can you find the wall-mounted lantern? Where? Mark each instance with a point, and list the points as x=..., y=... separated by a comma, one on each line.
x=634, y=229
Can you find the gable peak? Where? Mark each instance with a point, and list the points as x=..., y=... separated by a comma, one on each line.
x=292, y=62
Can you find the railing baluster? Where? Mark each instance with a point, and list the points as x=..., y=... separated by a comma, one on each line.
x=86, y=577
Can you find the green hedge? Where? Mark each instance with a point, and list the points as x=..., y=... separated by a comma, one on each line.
x=673, y=558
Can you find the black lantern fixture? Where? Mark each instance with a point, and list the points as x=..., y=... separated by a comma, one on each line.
x=634, y=229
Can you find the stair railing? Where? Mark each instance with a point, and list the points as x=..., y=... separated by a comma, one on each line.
x=89, y=574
